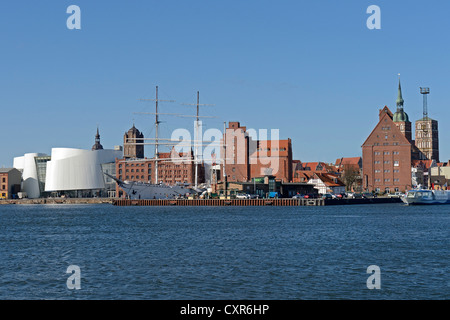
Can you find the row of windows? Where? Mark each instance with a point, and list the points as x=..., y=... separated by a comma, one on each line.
x=386, y=144
x=387, y=180
x=137, y=170
x=387, y=171
x=386, y=153
x=268, y=149
x=396, y=162
x=135, y=164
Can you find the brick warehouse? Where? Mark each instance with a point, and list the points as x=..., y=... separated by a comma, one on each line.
x=247, y=158
x=389, y=151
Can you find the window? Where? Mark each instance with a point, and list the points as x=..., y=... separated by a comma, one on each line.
x=386, y=162
x=396, y=163
x=386, y=153
x=396, y=180
x=3, y=187
x=386, y=144
x=3, y=180
x=387, y=171
x=120, y=165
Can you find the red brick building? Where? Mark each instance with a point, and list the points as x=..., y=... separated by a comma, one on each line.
x=248, y=158
x=10, y=180
x=387, y=154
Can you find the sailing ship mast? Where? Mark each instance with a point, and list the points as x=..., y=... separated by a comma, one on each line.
x=156, y=130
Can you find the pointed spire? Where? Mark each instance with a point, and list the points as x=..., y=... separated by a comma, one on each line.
x=400, y=100
x=97, y=145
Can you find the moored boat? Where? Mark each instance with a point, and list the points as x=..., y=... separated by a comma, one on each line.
x=424, y=196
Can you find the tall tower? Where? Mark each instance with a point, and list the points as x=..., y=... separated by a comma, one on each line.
x=133, y=146
x=427, y=133
x=97, y=145
x=400, y=117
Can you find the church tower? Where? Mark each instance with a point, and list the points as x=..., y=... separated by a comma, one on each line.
x=427, y=133
x=132, y=150
x=400, y=117
x=97, y=145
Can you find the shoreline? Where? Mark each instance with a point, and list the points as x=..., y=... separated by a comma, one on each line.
x=199, y=202
x=57, y=201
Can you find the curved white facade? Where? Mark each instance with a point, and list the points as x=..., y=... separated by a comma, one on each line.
x=77, y=169
x=30, y=183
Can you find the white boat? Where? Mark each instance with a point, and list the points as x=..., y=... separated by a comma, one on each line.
x=424, y=196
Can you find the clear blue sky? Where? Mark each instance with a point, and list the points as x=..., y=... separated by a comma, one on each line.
x=309, y=68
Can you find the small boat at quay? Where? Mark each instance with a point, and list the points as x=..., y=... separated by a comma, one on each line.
x=425, y=196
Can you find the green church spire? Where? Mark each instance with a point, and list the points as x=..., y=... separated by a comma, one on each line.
x=400, y=115
x=400, y=100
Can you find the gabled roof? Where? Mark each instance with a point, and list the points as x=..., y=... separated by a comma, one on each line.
x=7, y=170
x=385, y=119
x=329, y=180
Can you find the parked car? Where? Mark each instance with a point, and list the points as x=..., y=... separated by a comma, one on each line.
x=350, y=195
x=253, y=196
x=242, y=196
x=369, y=195
x=328, y=196
x=311, y=196
x=298, y=196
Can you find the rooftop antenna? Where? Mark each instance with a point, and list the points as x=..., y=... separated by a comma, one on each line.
x=425, y=92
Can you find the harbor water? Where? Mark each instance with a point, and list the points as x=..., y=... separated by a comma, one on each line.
x=223, y=253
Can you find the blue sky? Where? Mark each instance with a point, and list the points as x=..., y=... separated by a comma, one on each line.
x=309, y=68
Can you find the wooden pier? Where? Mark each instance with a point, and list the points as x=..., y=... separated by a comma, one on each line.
x=221, y=202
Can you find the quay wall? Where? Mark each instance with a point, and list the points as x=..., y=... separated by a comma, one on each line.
x=203, y=202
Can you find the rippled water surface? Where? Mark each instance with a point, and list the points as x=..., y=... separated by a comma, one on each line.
x=224, y=252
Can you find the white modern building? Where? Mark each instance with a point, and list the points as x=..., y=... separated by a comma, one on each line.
x=30, y=180
x=77, y=169
x=68, y=169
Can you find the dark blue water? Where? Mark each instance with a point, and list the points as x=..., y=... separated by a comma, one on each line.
x=224, y=253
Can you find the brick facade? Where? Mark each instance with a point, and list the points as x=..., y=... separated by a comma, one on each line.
x=387, y=156
x=247, y=158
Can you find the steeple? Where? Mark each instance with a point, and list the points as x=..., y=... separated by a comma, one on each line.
x=400, y=100
x=97, y=145
x=400, y=115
